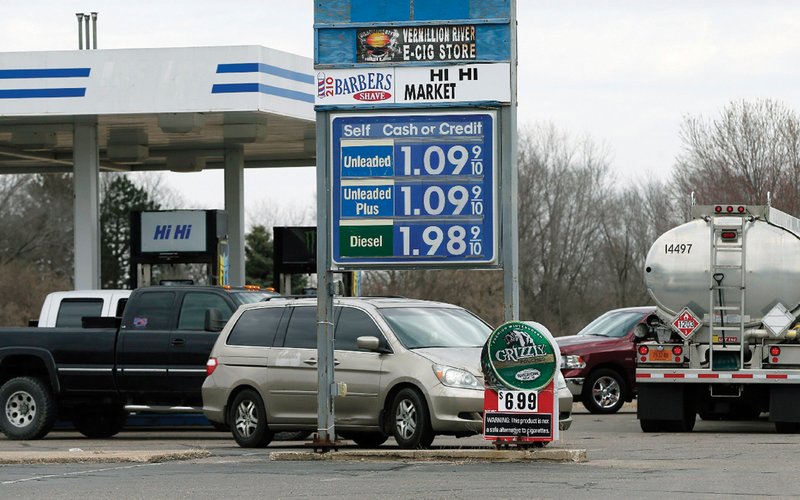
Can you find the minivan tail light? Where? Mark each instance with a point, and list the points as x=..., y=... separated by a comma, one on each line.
x=211, y=365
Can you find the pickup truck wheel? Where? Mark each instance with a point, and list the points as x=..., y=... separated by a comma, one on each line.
x=603, y=391
x=369, y=439
x=248, y=420
x=100, y=422
x=29, y=408
x=412, y=425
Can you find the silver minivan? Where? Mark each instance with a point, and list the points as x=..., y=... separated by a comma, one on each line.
x=411, y=369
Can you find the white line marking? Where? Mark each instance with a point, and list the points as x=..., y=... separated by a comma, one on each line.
x=49, y=476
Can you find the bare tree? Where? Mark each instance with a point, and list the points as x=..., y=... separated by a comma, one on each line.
x=564, y=187
x=634, y=217
x=751, y=149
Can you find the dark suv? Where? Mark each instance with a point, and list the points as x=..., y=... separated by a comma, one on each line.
x=599, y=362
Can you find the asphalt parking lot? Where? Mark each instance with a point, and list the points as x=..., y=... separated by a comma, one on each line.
x=717, y=460
x=149, y=445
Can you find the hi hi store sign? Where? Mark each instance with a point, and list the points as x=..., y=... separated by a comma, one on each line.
x=416, y=143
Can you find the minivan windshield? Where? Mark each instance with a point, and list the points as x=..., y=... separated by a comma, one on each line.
x=613, y=324
x=417, y=327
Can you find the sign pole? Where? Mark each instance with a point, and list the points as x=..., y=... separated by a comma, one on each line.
x=325, y=427
x=509, y=185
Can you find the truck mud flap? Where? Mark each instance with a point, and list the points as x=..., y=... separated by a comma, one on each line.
x=664, y=401
x=784, y=403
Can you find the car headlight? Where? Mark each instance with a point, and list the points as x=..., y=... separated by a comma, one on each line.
x=453, y=377
x=572, y=362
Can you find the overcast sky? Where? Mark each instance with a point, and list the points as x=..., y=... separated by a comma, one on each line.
x=624, y=73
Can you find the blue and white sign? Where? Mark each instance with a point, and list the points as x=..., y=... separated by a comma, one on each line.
x=174, y=231
x=414, y=189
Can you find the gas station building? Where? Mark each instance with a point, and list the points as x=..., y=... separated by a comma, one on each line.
x=131, y=110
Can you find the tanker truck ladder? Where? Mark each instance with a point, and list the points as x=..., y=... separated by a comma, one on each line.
x=727, y=297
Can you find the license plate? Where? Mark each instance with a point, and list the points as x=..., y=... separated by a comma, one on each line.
x=660, y=355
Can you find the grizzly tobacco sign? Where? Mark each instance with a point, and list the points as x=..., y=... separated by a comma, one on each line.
x=519, y=364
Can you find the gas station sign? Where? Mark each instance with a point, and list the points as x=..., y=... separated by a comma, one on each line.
x=414, y=189
x=416, y=110
x=414, y=85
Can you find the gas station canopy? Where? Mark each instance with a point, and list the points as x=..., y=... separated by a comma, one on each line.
x=157, y=109
x=179, y=109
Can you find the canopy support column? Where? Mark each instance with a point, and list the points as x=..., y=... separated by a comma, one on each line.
x=234, y=206
x=86, y=168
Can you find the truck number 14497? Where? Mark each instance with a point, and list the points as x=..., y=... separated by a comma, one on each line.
x=678, y=248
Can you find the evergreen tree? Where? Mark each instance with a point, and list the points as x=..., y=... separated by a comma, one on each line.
x=121, y=197
x=259, y=254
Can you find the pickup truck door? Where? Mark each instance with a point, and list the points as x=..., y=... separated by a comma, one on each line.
x=190, y=344
x=143, y=346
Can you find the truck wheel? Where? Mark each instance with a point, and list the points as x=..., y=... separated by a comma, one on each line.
x=29, y=408
x=412, y=425
x=603, y=391
x=651, y=425
x=787, y=427
x=248, y=420
x=100, y=422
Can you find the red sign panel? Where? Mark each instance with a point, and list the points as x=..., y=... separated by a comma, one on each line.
x=686, y=323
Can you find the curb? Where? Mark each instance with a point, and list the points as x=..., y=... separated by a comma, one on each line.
x=61, y=457
x=554, y=455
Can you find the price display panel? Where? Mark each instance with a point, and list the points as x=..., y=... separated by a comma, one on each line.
x=414, y=190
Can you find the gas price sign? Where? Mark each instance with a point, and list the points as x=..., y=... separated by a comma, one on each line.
x=413, y=189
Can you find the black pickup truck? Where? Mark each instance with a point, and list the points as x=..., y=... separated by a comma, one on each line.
x=152, y=359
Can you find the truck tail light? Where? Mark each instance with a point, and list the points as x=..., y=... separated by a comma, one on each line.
x=774, y=351
x=677, y=350
x=211, y=365
x=643, y=350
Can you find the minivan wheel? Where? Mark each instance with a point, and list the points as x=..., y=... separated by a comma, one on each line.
x=248, y=420
x=412, y=424
x=604, y=391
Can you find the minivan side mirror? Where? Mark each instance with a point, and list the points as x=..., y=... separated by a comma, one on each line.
x=371, y=343
x=213, y=320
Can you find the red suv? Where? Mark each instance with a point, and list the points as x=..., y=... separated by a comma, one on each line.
x=599, y=363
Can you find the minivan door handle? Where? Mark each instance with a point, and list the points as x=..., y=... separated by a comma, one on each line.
x=178, y=341
x=313, y=361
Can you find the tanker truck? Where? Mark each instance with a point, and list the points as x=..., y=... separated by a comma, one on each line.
x=724, y=341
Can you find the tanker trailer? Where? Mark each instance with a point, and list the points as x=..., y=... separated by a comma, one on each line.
x=723, y=342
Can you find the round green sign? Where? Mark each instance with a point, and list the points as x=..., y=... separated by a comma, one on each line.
x=518, y=356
